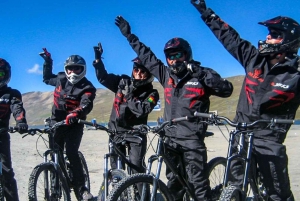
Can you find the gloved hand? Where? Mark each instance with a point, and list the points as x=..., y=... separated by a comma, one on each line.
x=125, y=86
x=195, y=70
x=46, y=56
x=123, y=26
x=98, y=51
x=200, y=5
x=22, y=127
x=72, y=118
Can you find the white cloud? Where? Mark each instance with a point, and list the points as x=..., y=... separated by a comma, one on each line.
x=35, y=69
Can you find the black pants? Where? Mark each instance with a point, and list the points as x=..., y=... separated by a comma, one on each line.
x=70, y=138
x=137, y=151
x=11, y=192
x=194, y=155
x=272, y=160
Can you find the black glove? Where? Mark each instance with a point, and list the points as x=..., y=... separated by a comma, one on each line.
x=22, y=128
x=123, y=26
x=98, y=51
x=125, y=86
x=195, y=70
x=200, y=5
x=72, y=118
x=46, y=56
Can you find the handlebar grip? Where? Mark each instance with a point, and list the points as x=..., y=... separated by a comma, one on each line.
x=285, y=121
x=80, y=121
x=179, y=119
x=205, y=115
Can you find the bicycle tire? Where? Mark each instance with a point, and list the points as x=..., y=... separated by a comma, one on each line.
x=131, y=182
x=231, y=193
x=114, y=176
x=38, y=191
x=216, y=171
x=1, y=188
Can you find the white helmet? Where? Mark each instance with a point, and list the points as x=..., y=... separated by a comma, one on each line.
x=75, y=60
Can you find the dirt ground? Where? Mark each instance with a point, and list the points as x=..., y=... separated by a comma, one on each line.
x=94, y=146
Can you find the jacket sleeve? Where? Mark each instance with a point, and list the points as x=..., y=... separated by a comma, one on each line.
x=215, y=84
x=239, y=48
x=149, y=60
x=109, y=80
x=17, y=107
x=48, y=77
x=143, y=108
x=86, y=102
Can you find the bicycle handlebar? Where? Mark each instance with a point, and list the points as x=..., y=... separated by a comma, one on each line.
x=169, y=123
x=245, y=125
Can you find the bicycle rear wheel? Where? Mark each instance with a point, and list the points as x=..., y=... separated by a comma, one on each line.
x=123, y=190
x=41, y=185
x=216, y=171
x=114, y=176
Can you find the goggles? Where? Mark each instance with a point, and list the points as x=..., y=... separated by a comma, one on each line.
x=139, y=70
x=178, y=55
x=275, y=34
x=74, y=68
x=2, y=74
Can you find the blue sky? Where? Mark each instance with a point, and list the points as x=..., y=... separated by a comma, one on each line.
x=74, y=27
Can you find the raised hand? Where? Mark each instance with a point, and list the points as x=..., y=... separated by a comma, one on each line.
x=123, y=26
x=200, y=5
x=46, y=55
x=98, y=51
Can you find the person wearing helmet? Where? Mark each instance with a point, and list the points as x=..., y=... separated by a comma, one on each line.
x=187, y=86
x=270, y=90
x=73, y=99
x=135, y=98
x=10, y=102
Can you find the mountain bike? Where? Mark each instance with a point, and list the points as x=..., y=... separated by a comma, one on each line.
x=52, y=179
x=112, y=176
x=253, y=187
x=152, y=187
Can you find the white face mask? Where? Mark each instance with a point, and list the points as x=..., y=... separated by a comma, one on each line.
x=73, y=77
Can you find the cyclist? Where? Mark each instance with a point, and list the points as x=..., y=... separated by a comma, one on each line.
x=270, y=90
x=73, y=99
x=135, y=98
x=10, y=102
x=188, y=87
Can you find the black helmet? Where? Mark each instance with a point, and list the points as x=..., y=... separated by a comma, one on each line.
x=5, y=67
x=178, y=44
x=137, y=63
x=290, y=30
x=75, y=60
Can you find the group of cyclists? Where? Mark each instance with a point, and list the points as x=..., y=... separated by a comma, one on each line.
x=271, y=89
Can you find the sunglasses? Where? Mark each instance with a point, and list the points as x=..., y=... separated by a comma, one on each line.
x=139, y=70
x=275, y=34
x=178, y=55
x=73, y=68
x=2, y=74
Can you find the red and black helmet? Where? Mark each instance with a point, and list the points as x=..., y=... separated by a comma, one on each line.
x=5, y=67
x=290, y=31
x=179, y=44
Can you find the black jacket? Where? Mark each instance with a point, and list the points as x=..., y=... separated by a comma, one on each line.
x=69, y=97
x=184, y=97
x=267, y=92
x=129, y=110
x=10, y=102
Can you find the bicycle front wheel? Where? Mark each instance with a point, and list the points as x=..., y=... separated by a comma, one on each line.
x=1, y=188
x=42, y=185
x=123, y=190
x=114, y=176
x=216, y=171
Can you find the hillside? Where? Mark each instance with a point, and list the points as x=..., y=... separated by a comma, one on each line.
x=38, y=104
